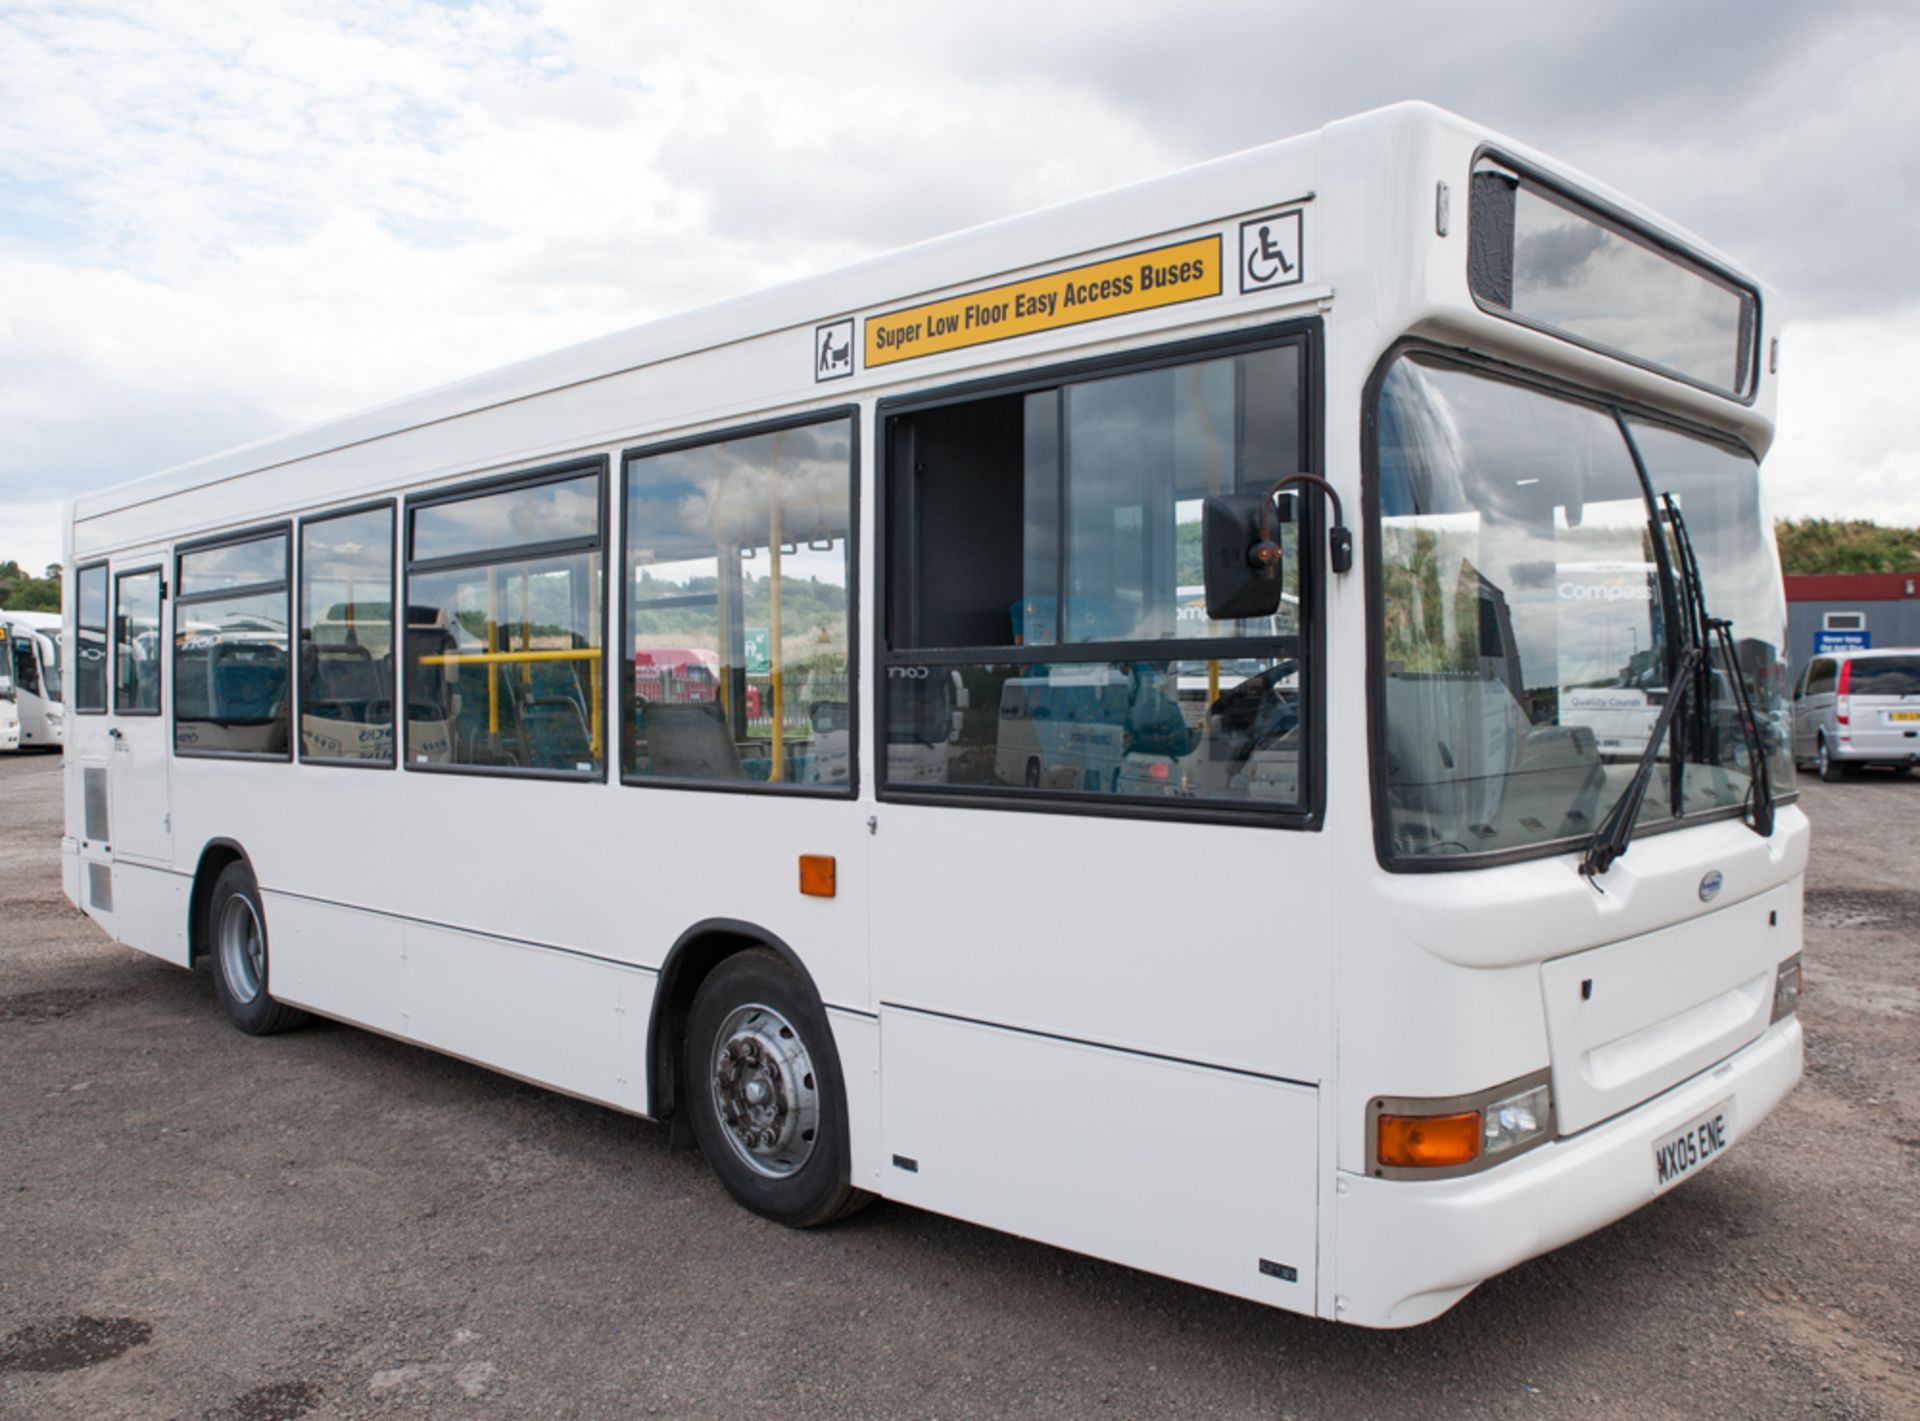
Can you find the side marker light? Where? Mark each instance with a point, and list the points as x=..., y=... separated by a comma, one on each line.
x=818, y=875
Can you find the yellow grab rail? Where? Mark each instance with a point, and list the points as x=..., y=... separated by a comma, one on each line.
x=500, y=658
x=515, y=658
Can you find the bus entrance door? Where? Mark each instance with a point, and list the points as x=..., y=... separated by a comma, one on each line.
x=137, y=759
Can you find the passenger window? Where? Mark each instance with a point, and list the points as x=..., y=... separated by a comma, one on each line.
x=90, y=642
x=1047, y=625
x=737, y=610
x=231, y=689
x=136, y=635
x=503, y=646
x=346, y=637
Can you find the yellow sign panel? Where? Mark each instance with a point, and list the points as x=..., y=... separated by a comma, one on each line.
x=1165, y=276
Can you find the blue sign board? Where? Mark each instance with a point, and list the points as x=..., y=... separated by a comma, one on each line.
x=1824, y=642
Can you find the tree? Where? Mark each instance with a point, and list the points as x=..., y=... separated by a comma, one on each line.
x=21, y=593
x=1846, y=545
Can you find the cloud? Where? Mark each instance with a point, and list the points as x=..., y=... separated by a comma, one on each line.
x=221, y=218
x=1849, y=443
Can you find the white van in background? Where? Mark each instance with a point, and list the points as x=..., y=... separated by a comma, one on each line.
x=1855, y=708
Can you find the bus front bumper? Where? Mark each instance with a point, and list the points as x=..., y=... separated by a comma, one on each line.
x=1406, y=1251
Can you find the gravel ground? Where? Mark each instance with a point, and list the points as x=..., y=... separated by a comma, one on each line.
x=195, y=1223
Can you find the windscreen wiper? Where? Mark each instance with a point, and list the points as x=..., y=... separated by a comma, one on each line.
x=1758, y=810
x=1609, y=841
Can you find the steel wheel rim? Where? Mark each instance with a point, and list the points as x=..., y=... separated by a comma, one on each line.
x=243, y=948
x=766, y=1092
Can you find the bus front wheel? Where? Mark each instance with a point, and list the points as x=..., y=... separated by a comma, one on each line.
x=238, y=931
x=764, y=1093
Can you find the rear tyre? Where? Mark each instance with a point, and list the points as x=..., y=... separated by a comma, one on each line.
x=764, y=1093
x=237, y=929
x=1830, y=769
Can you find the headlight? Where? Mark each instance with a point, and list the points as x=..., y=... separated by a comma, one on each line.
x=1517, y=1121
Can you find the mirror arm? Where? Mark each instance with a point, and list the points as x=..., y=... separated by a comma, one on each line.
x=1339, y=539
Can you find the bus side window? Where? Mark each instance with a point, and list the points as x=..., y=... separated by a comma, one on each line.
x=1068, y=518
x=737, y=640
x=504, y=623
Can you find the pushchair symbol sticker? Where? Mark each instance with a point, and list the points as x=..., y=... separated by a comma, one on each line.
x=833, y=351
x=1270, y=251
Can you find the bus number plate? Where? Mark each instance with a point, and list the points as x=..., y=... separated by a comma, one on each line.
x=1685, y=1151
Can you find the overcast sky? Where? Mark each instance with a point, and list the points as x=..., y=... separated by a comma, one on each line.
x=218, y=220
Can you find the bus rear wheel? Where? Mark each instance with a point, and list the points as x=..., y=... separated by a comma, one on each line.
x=237, y=928
x=764, y=1093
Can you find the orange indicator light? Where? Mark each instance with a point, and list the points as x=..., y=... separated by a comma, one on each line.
x=1429, y=1141
x=817, y=875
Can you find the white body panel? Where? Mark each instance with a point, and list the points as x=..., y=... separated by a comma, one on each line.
x=1149, y=1040
x=1014, y=1129
x=1625, y=1022
x=150, y=909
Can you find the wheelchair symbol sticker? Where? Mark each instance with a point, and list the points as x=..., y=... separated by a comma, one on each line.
x=1270, y=251
x=833, y=351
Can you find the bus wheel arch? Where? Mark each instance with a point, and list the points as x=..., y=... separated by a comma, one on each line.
x=214, y=859
x=694, y=955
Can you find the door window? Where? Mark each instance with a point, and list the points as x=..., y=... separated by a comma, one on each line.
x=136, y=636
x=90, y=642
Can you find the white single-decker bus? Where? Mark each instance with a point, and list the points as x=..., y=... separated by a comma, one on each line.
x=1138, y=791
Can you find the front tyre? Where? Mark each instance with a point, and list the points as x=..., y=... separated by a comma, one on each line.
x=237, y=928
x=764, y=1094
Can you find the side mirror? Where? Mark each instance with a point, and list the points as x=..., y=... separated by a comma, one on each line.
x=1241, y=560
